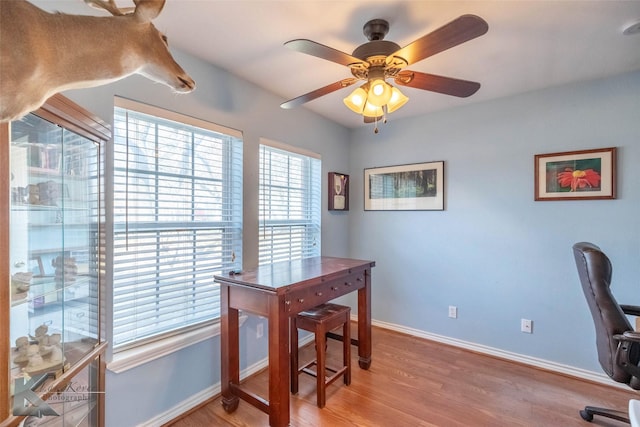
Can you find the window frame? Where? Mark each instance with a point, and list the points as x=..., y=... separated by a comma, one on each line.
x=310, y=209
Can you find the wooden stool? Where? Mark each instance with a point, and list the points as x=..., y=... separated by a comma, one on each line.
x=320, y=320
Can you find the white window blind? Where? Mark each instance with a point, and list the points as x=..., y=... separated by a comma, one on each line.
x=177, y=220
x=290, y=204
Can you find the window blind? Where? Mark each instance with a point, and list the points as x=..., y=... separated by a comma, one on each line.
x=177, y=221
x=289, y=205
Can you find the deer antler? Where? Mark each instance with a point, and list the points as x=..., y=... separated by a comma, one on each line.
x=110, y=6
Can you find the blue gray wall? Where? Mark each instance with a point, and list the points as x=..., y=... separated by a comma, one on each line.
x=493, y=252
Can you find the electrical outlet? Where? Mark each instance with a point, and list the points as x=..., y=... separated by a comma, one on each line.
x=526, y=326
x=260, y=330
x=453, y=311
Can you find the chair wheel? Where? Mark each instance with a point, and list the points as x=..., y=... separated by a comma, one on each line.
x=586, y=415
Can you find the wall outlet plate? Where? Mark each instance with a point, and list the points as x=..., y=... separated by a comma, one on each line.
x=526, y=326
x=453, y=312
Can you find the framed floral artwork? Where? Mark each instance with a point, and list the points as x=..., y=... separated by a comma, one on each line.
x=576, y=175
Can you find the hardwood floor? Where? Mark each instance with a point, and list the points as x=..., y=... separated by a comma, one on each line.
x=416, y=382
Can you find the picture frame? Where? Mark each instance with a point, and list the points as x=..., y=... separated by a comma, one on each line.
x=575, y=175
x=338, y=190
x=410, y=187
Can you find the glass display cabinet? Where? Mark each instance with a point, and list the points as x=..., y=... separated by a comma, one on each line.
x=50, y=252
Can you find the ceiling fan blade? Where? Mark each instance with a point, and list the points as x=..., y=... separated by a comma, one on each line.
x=318, y=93
x=440, y=84
x=458, y=31
x=325, y=52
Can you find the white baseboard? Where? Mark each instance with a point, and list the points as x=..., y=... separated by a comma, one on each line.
x=206, y=394
x=183, y=407
x=571, y=371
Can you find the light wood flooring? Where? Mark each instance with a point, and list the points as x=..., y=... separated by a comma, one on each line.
x=416, y=382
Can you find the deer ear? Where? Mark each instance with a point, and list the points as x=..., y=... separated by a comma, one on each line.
x=148, y=10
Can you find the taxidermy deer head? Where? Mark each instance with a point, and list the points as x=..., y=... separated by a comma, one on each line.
x=44, y=53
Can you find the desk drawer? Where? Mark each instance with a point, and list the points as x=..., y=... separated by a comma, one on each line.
x=300, y=300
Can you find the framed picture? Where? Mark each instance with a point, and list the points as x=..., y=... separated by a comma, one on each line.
x=338, y=191
x=418, y=186
x=576, y=175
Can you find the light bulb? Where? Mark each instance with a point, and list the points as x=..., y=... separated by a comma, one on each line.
x=397, y=100
x=356, y=100
x=379, y=92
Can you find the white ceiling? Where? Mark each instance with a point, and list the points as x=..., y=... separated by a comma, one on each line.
x=531, y=44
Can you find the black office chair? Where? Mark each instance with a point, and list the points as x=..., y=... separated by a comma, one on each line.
x=617, y=343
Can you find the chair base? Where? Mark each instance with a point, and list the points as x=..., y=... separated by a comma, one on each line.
x=589, y=411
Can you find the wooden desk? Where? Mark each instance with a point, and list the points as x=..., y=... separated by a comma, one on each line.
x=277, y=292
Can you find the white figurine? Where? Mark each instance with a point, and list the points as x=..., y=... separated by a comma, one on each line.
x=54, y=349
x=35, y=360
x=22, y=347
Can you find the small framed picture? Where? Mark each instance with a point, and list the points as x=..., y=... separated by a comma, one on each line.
x=338, y=191
x=418, y=186
x=576, y=175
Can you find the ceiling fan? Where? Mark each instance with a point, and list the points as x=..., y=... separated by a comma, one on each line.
x=379, y=59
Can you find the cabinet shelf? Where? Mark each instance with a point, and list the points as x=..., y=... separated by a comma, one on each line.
x=52, y=173
x=69, y=215
x=45, y=289
x=73, y=351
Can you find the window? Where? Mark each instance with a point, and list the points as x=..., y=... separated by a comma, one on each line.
x=290, y=207
x=177, y=220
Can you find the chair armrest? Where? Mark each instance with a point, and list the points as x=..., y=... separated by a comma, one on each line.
x=626, y=353
x=632, y=310
x=631, y=336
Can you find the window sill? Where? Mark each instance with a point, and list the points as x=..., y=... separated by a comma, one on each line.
x=132, y=358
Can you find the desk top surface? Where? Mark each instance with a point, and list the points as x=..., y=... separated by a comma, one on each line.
x=279, y=276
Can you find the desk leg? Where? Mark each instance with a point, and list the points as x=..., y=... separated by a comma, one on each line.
x=230, y=347
x=278, y=363
x=364, y=322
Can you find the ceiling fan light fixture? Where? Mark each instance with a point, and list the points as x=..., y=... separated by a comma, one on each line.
x=356, y=100
x=379, y=92
x=378, y=60
x=397, y=100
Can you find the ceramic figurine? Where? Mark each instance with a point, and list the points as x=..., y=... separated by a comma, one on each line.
x=22, y=347
x=35, y=359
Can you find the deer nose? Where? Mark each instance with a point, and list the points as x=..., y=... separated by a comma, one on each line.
x=187, y=84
